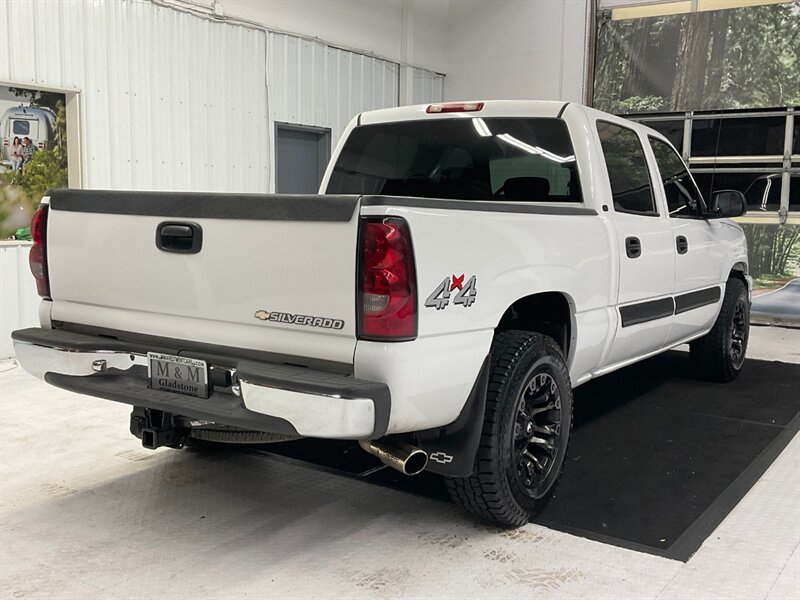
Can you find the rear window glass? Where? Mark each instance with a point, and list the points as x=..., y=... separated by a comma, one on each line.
x=21, y=127
x=470, y=158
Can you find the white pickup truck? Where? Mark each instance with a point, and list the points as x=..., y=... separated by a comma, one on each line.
x=464, y=267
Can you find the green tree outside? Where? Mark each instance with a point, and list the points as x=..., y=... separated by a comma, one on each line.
x=727, y=59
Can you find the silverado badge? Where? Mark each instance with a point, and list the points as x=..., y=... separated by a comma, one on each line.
x=307, y=320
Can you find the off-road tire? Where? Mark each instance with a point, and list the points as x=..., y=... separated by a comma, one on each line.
x=494, y=493
x=714, y=356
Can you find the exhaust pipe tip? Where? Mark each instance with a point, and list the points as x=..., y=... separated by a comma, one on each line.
x=415, y=463
x=407, y=459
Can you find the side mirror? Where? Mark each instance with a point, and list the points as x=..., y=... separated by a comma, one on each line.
x=726, y=204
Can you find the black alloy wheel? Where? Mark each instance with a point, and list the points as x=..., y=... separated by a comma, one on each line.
x=537, y=434
x=719, y=355
x=739, y=326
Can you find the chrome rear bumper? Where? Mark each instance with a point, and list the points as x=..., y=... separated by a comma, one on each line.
x=260, y=396
x=39, y=360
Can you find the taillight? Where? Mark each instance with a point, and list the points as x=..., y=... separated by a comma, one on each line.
x=38, y=255
x=387, y=289
x=451, y=107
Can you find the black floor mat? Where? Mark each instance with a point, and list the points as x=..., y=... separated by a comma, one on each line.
x=657, y=458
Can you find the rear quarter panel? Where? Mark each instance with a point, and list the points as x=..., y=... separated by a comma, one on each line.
x=511, y=255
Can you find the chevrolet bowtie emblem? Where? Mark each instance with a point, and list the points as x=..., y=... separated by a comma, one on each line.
x=441, y=457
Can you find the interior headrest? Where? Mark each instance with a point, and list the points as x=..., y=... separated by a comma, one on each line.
x=523, y=188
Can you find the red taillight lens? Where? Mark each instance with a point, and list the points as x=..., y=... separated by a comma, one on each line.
x=387, y=294
x=38, y=255
x=451, y=107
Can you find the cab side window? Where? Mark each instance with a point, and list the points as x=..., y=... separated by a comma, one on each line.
x=683, y=197
x=627, y=170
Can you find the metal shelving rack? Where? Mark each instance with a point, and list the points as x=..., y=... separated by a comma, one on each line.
x=786, y=164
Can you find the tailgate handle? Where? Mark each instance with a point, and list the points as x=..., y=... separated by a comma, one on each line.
x=181, y=237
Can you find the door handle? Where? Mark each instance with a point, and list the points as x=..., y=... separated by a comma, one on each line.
x=633, y=247
x=183, y=238
x=682, y=244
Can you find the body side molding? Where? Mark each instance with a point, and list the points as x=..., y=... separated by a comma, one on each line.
x=642, y=312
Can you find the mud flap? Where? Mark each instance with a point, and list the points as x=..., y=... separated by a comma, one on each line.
x=451, y=449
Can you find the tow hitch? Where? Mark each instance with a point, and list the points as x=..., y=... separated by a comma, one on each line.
x=157, y=428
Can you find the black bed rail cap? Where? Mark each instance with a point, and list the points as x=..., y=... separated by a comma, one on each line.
x=207, y=205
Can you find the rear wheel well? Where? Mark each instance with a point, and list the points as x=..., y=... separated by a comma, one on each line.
x=739, y=271
x=548, y=313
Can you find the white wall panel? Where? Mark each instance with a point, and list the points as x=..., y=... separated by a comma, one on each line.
x=173, y=101
x=19, y=301
x=512, y=50
x=368, y=26
x=426, y=86
x=311, y=83
x=169, y=101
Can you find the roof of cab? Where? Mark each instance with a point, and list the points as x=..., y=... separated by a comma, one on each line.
x=491, y=108
x=494, y=108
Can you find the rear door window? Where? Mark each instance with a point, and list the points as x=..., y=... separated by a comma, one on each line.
x=467, y=158
x=627, y=169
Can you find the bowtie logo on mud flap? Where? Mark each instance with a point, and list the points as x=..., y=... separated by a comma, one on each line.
x=441, y=458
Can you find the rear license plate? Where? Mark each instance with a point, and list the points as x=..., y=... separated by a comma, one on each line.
x=178, y=374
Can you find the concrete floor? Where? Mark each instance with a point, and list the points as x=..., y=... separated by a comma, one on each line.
x=86, y=512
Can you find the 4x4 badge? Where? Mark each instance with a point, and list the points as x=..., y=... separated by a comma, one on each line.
x=467, y=292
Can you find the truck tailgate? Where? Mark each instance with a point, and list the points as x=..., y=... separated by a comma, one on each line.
x=273, y=273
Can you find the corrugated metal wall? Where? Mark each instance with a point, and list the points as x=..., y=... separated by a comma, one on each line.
x=19, y=302
x=172, y=101
x=168, y=100
x=311, y=83
x=426, y=87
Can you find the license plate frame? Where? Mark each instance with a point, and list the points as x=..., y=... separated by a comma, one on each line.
x=177, y=374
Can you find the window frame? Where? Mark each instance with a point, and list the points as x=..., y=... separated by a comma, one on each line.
x=656, y=209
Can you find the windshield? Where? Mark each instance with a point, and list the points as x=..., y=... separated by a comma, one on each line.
x=465, y=158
